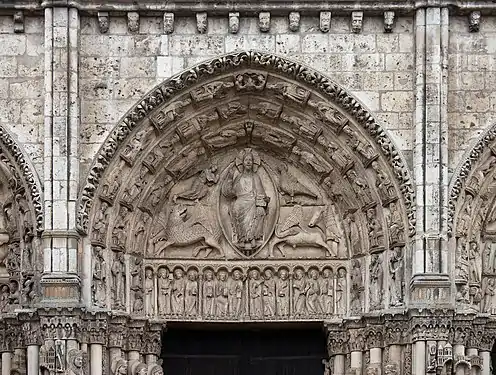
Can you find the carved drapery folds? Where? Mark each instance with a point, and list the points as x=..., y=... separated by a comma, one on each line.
x=251, y=157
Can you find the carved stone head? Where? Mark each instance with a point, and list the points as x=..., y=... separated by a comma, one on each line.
x=209, y=275
x=283, y=274
x=326, y=273
x=163, y=272
x=264, y=21
x=325, y=21
x=237, y=275
x=268, y=274
x=356, y=22
x=202, y=22
x=178, y=273
x=192, y=275
x=474, y=21
x=233, y=22
x=148, y=273
x=141, y=369
x=388, y=21
x=168, y=23
x=294, y=21
x=103, y=22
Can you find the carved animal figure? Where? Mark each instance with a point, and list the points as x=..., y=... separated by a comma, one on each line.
x=289, y=185
x=292, y=233
x=184, y=229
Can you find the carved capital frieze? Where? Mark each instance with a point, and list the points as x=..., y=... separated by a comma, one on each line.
x=95, y=331
x=337, y=342
x=430, y=328
x=31, y=332
x=357, y=338
x=374, y=337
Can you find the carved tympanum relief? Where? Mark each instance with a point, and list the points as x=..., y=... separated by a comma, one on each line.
x=249, y=168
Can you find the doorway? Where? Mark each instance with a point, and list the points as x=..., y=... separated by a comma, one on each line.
x=234, y=351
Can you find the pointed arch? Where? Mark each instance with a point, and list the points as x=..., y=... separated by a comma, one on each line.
x=174, y=93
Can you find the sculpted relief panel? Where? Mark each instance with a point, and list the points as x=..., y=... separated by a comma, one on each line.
x=248, y=197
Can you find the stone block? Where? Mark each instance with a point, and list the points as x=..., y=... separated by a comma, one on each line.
x=12, y=44
x=196, y=45
x=151, y=25
x=288, y=43
x=261, y=42
x=149, y=45
x=378, y=81
x=27, y=89
x=341, y=43
x=167, y=66
x=477, y=101
x=99, y=66
x=185, y=26
x=369, y=98
x=363, y=62
x=399, y=61
x=138, y=67
x=133, y=88
x=34, y=25
x=4, y=88
x=397, y=101
x=388, y=43
x=352, y=81
x=315, y=43
x=32, y=113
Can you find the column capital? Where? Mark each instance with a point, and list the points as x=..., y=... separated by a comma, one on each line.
x=337, y=341
x=431, y=327
x=356, y=341
x=374, y=336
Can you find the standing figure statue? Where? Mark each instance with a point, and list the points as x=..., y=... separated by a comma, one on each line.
x=248, y=201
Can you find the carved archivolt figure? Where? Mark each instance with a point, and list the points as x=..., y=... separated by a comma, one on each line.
x=396, y=271
x=489, y=293
x=357, y=287
x=178, y=289
x=191, y=290
x=236, y=293
x=352, y=234
x=101, y=222
x=119, y=280
x=475, y=262
x=376, y=236
x=249, y=201
x=99, y=278
x=465, y=217
x=255, y=287
x=164, y=292
x=200, y=185
x=149, y=296
x=376, y=281
x=282, y=290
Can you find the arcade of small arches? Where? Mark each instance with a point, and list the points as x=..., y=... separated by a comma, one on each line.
x=249, y=189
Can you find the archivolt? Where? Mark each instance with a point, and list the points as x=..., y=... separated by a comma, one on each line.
x=24, y=180
x=472, y=176
x=252, y=93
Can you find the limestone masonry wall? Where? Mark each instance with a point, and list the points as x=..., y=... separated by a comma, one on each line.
x=119, y=67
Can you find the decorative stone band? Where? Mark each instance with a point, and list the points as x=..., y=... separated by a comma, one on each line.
x=18, y=164
x=471, y=159
x=173, y=88
x=184, y=7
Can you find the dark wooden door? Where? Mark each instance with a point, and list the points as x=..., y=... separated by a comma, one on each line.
x=243, y=352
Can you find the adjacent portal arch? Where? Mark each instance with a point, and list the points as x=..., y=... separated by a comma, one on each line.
x=21, y=223
x=472, y=226
x=248, y=187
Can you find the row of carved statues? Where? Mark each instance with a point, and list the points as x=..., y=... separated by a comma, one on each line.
x=268, y=292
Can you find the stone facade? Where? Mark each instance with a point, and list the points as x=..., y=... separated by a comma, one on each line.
x=247, y=164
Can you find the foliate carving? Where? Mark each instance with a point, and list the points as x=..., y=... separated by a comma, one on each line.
x=325, y=21
x=168, y=23
x=474, y=21
x=294, y=21
x=103, y=22
x=356, y=22
x=264, y=21
x=167, y=116
x=202, y=22
x=388, y=21
x=234, y=22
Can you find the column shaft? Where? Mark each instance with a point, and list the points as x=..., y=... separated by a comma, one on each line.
x=33, y=359
x=96, y=359
x=419, y=358
x=339, y=364
x=6, y=363
x=356, y=361
x=486, y=362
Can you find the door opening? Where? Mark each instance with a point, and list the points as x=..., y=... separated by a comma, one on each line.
x=222, y=351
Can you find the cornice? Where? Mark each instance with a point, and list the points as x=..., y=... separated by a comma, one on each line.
x=277, y=7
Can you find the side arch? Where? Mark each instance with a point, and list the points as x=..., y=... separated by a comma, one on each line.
x=322, y=178
x=173, y=87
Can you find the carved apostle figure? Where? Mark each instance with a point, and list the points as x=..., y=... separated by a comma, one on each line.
x=235, y=293
x=327, y=292
x=341, y=292
x=396, y=272
x=209, y=293
x=269, y=293
x=119, y=280
x=222, y=294
x=191, y=298
x=178, y=286
x=376, y=236
x=462, y=263
x=282, y=290
x=99, y=278
x=136, y=274
x=164, y=292
x=299, y=290
x=313, y=293
x=101, y=222
x=149, y=287
x=376, y=281
x=255, y=286
x=249, y=201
